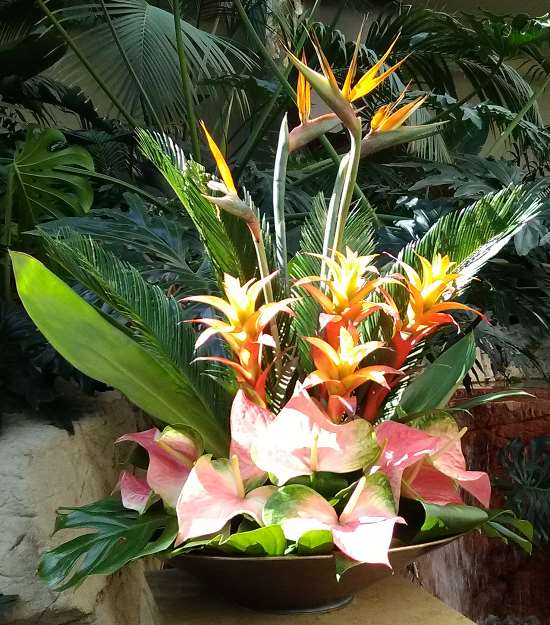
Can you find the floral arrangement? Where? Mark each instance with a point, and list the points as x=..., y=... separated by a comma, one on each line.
x=339, y=367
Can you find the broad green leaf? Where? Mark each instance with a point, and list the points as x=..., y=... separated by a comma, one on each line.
x=436, y=384
x=41, y=187
x=426, y=521
x=119, y=536
x=107, y=353
x=326, y=483
x=264, y=541
x=315, y=542
x=480, y=400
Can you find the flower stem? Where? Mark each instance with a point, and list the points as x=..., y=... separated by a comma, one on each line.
x=348, y=187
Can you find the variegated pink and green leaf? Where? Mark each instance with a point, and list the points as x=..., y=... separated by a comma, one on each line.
x=171, y=457
x=302, y=440
x=213, y=494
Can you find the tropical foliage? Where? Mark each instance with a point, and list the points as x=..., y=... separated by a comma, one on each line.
x=310, y=417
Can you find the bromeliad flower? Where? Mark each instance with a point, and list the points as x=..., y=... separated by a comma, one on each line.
x=339, y=373
x=364, y=529
x=171, y=457
x=326, y=85
x=424, y=460
x=244, y=322
x=302, y=440
x=213, y=494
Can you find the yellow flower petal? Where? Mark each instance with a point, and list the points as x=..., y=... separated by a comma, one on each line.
x=220, y=160
x=303, y=95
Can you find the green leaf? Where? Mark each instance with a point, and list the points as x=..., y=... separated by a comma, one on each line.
x=264, y=541
x=326, y=483
x=315, y=542
x=40, y=187
x=426, y=521
x=106, y=352
x=480, y=400
x=502, y=523
x=119, y=537
x=436, y=384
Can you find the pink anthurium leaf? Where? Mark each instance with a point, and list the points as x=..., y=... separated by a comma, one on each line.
x=402, y=447
x=299, y=509
x=135, y=492
x=365, y=527
x=248, y=421
x=449, y=459
x=430, y=485
x=171, y=456
x=212, y=495
x=302, y=440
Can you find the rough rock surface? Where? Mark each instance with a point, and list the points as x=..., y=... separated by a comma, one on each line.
x=41, y=468
x=485, y=578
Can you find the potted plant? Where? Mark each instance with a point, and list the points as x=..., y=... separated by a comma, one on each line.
x=339, y=455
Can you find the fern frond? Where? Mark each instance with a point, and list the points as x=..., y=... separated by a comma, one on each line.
x=154, y=319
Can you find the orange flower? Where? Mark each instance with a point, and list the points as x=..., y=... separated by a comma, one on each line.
x=390, y=117
x=326, y=85
x=347, y=286
x=244, y=322
x=339, y=372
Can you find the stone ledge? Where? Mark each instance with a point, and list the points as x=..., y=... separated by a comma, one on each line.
x=42, y=468
x=392, y=601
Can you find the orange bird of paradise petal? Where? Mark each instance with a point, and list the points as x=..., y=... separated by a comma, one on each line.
x=223, y=168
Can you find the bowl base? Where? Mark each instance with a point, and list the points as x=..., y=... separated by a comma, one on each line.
x=320, y=609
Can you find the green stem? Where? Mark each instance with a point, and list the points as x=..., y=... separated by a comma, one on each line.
x=71, y=43
x=186, y=85
x=279, y=184
x=8, y=213
x=520, y=115
x=291, y=92
x=332, y=214
x=129, y=65
x=349, y=183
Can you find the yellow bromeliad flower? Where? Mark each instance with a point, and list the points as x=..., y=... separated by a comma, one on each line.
x=339, y=372
x=244, y=322
x=426, y=292
x=391, y=117
x=326, y=85
x=347, y=286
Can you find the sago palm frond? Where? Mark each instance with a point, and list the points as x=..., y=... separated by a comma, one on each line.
x=188, y=181
x=154, y=319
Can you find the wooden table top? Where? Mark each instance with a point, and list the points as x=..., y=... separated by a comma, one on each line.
x=392, y=601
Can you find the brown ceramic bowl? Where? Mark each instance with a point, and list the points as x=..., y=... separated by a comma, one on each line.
x=293, y=583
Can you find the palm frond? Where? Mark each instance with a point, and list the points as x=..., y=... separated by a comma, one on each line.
x=146, y=33
x=475, y=234
x=154, y=319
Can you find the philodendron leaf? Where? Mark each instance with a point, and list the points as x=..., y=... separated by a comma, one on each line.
x=41, y=187
x=437, y=383
x=504, y=523
x=315, y=542
x=426, y=521
x=264, y=541
x=118, y=537
x=105, y=352
x=480, y=400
